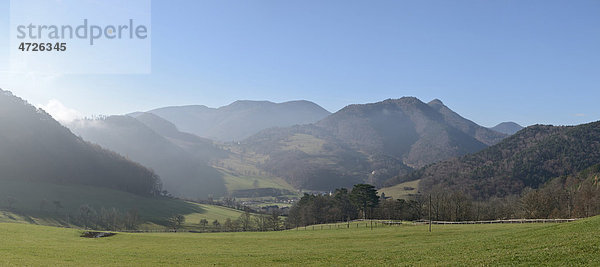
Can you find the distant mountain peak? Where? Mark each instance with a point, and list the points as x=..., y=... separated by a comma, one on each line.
x=434, y=110
x=370, y=143
x=184, y=107
x=507, y=127
x=403, y=100
x=249, y=103
x=245, y=101
x=241, y=118
x=436, y=102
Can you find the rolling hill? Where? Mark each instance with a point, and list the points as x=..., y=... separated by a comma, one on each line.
x=50, y=176
x=368, y=143
x=61, y=205
x=240, y=119
x=35, y=147
x=184, y=173
x=529, y=158
x=201, y=148
x=190, y=166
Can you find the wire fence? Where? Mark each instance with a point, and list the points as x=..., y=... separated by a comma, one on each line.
x=372, y=224
x=505, y=221
x=380, y=223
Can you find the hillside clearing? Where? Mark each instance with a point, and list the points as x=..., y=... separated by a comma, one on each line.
x=401, y=191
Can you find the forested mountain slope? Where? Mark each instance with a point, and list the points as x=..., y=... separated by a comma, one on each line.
x=529, y=158
x=35, y=147
x=369, y=143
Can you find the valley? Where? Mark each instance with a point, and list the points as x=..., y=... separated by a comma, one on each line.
x=301, y=133
x=404, y=148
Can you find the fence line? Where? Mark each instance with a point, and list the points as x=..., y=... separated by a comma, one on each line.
x=504, y=221
x=362, y=223
x=382, y=223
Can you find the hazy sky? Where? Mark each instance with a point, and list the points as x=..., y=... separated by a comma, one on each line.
x=491, y=61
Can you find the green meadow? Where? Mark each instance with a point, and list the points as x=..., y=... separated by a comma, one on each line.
x=402, y=190
x=36, y=203
x=576, y=243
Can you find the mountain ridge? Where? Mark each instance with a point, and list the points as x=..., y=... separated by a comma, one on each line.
x=529, y=158
x=480, y=133
x=241, y=118
x=368, y=143
x=508, y=127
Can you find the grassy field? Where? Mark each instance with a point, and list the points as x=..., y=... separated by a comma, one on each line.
x=576, y=243
x=240, y=172
x=210, y=213
x=34, y=203
x=401, y=191
x=305, y=143
x=235, y=181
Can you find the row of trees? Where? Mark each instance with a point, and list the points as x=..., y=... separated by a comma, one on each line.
x=573, y=196
x=105, y=219
x=565, y=197
x=252, y=222
x=339, y=206
x=246, y=222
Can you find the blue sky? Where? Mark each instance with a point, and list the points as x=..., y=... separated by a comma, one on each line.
x=491, y=61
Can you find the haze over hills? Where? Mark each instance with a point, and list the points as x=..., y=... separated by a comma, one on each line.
x=360, y=143
x=529, y=158
x=507, y=128
x=369, y=143
x=183, y=173
x=201, y=148
x=240, y=119
x=35, y=147
x=50, y=176
x=379, y=143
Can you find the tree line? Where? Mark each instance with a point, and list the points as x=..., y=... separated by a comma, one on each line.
x=105, y=219
x=362, y=202
x=247, y=221
x=575, y=196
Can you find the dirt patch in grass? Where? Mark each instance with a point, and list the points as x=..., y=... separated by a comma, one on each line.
x=96, y=234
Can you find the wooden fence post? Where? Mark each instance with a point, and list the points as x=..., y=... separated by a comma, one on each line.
x=430, y=213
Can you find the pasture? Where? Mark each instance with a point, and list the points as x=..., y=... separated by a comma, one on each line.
x=48, y=204
x=576, y=243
